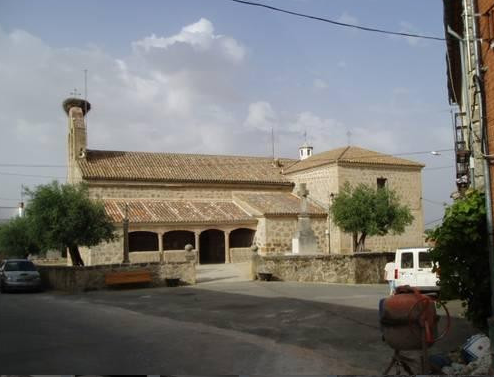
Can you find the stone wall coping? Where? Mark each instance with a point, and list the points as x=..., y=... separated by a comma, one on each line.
x=328, y=256
x=109, y=266
x=373, y=253
x=306, y=257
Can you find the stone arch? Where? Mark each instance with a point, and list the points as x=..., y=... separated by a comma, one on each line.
x=143, y=241
x=241, y=237
x=177, y=239
x=212, y=246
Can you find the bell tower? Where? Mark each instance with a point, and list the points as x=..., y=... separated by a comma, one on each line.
x=76, y=110
x=305, y=151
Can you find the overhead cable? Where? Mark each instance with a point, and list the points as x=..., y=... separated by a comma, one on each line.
x=32, y=175
x=338, y=23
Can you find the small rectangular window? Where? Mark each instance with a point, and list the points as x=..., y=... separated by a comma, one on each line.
x=407, y=260
x=381, y=183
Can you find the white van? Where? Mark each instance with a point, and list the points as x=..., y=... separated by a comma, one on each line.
x=413, y=267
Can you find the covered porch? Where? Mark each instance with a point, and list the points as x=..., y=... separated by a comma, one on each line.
x=219, y=231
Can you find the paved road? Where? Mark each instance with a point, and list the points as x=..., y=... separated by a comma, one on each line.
x=238, y=327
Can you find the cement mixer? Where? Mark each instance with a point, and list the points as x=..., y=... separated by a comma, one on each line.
x=409, y=322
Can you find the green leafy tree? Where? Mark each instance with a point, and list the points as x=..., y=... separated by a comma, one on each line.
x=366, y=211
x=64, y=215
x=16, y=240
x=461, y=253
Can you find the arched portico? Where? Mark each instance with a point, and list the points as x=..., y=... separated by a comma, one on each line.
x=177, y=239
x=143, y=241
x=241, y=237
x=212, y=246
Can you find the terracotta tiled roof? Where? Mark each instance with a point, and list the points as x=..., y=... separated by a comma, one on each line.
x=274, y=204
x=175, y=211
x=350, y=155
x=173, y=167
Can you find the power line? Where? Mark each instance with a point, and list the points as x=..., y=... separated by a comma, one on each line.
x=32, y=166
x=435, y=202
x=440, y=167
x=338, y=23
x=32, y=175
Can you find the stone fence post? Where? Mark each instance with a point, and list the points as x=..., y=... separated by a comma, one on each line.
x=254, y=262
x=190, y=254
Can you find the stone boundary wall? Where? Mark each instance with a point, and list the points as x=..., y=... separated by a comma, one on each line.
x=144, y=256
x=80, y=279
x=154, y=256
x=358, y=268
x=240, y=254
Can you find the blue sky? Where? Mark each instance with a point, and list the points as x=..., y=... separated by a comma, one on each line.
x=212, y=76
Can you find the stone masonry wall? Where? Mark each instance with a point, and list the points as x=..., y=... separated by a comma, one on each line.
x=279, y=232
x=408, y=186
x=80, y=279
x=240, y=254
x=324, y=180
x=103, y=253
x=361, y=268
x=132, y=191
x=144, y=256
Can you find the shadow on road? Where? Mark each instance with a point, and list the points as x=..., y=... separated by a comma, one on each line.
x=343, y=331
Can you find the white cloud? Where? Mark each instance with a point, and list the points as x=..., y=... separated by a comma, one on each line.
x=261, y=116
x=407, y=27
x=323, y=133
x=171, y=93
x=320, y=84
x=188, y=92
x=196, y=38
x=341, y=64
x=347, y=18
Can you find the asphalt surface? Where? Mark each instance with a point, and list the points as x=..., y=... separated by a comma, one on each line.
x=219, y=327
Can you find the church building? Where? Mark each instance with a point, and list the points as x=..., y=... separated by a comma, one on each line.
x=221, y=205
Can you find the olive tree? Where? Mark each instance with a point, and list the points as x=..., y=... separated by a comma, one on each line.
x=366, y=211
x=65, y=216
x=16, y=239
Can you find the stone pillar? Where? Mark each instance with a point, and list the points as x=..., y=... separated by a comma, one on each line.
x=197, y=235
x=160, y=246
x=126, y=259
x=227, y=247
x=304, y=240
x=254, y=262
x=189, y=253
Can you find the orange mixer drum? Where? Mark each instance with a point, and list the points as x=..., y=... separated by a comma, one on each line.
x=406, y=317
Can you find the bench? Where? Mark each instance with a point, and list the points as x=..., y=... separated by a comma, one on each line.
x=118, y=278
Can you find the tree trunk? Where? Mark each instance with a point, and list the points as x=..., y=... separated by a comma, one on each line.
x=361, y=242
x=75, y=256
x=355, y=243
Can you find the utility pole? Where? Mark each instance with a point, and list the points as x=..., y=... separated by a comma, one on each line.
x=126, y=259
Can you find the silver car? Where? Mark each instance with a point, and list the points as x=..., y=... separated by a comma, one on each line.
x=19, y=274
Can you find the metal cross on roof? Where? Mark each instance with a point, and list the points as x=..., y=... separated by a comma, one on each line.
x=75, y=93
